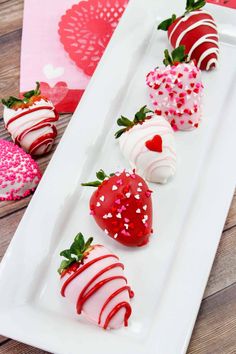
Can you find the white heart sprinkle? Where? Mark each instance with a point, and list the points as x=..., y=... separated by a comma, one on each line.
x=145, y=207
x=114, y=188
x=138, y=211
x=98, y=204
x=115, y=236
x=139, y=190
x=109, y=215
x=102, y=198
x=137, y=196
x=128, y=195
x=118, y=215
x=106, y=231
x=140, y=184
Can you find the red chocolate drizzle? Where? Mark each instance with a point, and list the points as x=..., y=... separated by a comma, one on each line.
x=85, y=295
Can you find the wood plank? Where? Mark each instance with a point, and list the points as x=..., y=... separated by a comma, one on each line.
x=11, y=16
x=13, y=347
x=8, y=226
x=10, y=65
x=2, y=339
x=215, y=329
x=223, y=273
x=231, y=218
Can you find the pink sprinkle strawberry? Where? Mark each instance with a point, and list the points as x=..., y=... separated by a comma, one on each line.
x=122, y=207
x=180, y=99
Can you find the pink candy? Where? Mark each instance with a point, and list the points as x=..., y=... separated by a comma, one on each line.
x=19, y=173
x=176, y=94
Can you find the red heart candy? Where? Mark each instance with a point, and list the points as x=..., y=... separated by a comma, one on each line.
x=155, y=144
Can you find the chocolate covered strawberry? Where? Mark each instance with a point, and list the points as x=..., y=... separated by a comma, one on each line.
x=197, y=31
x=122, y=206
x=176, y=90
x=31, y=121
x=93, y=280
x=148, y=143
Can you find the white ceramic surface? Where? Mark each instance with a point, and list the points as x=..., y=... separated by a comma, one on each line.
x=170, y=274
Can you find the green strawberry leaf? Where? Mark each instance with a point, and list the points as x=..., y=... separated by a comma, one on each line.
x=66, y=254
x=12, y=101
x=193, y=5
x=75, y=253
x=139, y=117
x=164, y=25
x=101, y=175
x=177, y=56
x=120, y=132
x=65, y=264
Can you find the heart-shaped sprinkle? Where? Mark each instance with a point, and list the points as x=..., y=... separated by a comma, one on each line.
x=155, y=144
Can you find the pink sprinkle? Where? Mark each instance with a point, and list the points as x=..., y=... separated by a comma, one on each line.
x=120, y=182
x=125, y=233
x=121, y=209
x=92, y=212
x=117, y=201
x=126, y=220
x=148, y=193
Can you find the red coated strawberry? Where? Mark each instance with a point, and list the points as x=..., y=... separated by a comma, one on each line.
x=197, y=31
x=122, y=207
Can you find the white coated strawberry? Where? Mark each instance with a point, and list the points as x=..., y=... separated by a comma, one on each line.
x=148, y=144
x=176, y=91
x=93, y=280
x=31, y=121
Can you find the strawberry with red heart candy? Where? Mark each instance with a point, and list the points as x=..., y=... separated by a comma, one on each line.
x=176, y=90
x=155, y=144
x=148, y=143
x=122, y=207
x=92, y=279
x=197, y=31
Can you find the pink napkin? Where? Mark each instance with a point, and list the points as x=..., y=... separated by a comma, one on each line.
x=63, y=41
x=227, y=3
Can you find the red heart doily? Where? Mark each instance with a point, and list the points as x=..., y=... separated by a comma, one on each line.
x=86, y=29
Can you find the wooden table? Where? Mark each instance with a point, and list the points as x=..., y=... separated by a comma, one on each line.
x=215, y=329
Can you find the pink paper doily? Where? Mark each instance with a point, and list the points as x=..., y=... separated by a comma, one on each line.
x=86, y=29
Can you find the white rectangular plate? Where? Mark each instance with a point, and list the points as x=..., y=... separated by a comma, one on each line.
x=170, y=274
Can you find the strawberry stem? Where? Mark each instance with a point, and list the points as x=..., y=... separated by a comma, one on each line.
x=164, y=25
x=75, y=253
x=11, y=101
x=176, y=56
x=139, y=117
x=101, y=176
x=191, y=5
